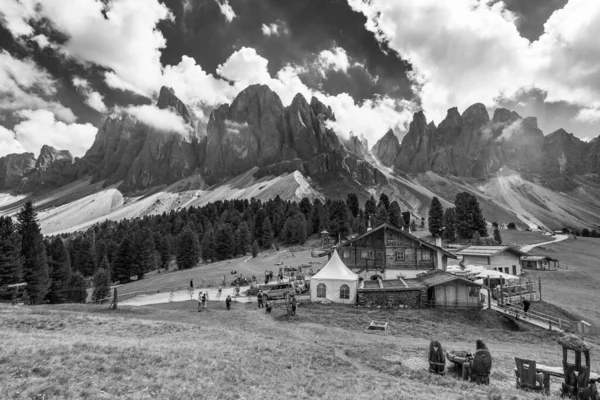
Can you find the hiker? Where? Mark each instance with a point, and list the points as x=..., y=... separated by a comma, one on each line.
x=228, y=302
x=199, y=301
x=192, y=283
x=219, y=292
x=526, y=305
x=259, y=296
x=294, y=305
x=268, y=308
x=203, y=301
x=267, y=280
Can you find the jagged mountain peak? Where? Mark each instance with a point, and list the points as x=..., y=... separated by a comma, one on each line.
x=477, y=111
x=49, y=155
x=167, y=99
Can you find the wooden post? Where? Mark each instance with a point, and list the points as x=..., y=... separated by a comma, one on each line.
x=113, y=305
x=501, y=296
x=489, y=293
x=540, y=283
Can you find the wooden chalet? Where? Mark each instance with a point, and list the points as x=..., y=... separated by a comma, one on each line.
x=537, y=262
x=387, y=252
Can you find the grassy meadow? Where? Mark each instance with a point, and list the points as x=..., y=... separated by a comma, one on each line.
x=171, y=351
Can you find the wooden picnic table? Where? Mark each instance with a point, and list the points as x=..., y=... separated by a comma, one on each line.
x=558, y=372
x=459, y=358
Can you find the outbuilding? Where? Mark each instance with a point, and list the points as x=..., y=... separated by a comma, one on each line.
x=504, y=259
x=539, y=263
x=334, y=282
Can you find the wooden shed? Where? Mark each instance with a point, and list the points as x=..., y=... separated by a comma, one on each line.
x=448, y=290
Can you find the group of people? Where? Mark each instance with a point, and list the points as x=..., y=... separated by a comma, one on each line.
x=203, y=300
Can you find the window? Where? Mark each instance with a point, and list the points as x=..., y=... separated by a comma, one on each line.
x=372, y=254
x=400, y=255
x=346, y=254
x=321, y=290
x=364, y=255
x=425, y=255
x=344, y=292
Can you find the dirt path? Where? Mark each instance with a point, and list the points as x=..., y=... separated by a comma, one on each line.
x=557, y=238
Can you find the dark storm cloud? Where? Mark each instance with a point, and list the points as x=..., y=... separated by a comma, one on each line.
x=551, y=115
x=533, y=14
x=312, y=26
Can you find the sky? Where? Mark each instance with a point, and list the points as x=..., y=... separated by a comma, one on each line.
x=67, y=64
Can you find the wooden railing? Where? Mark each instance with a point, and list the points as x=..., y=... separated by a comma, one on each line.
x=546, y=319
x=456, y=305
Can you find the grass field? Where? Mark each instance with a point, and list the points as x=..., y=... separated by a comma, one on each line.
x=173, y=352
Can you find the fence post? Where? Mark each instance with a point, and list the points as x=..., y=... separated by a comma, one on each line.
x=540, y=284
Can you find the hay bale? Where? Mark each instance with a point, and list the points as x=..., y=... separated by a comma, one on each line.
x=573, y=342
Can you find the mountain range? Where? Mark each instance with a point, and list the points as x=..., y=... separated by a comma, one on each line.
x=257, y=147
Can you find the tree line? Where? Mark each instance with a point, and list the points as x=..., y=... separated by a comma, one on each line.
x=60, y=268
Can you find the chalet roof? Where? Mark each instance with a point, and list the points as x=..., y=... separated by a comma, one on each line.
x=488, y=251
x=392, y=228
x=537, y=258
x=439, y=277
x=394, y=284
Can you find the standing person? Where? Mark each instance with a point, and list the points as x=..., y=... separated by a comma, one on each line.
x=191, y=283
x=199, y=301
x=526, y=305
x=203, y=301
x=259, y=296
x=228, y=302
x=219, y=292
x=294, y=305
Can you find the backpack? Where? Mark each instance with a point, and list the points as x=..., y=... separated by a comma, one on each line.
x=259, y=296
x=203, y=297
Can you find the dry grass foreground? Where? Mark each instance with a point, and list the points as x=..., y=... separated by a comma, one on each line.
x=171, y=351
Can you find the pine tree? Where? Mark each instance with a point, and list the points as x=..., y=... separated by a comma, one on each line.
x=450, y=224
x=87, y=258
x=436, y=216
x=255, y=249
x=317, y=216
x=338, y=219
x=497, y=236
x=33, y=252
x=469, y=217
x=266, y=234
x=352, y=203
x=396, y=215
x=370, y=207
x=101, y=285
x=244, y=238
x=60, y=271
x=165, y=251
x=11, y=267
x=305, y=207
x=145, y=260
x=188, y=249
x=225, y=242
x=259, y=221
x=208, y=246
x=105, y=265
x=125, y=261
x=78, y=291
x=381, y=217
x=294, y=230
x=384, y=200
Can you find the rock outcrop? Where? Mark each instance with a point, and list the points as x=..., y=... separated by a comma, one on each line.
x=13, y=168
x=387, y=148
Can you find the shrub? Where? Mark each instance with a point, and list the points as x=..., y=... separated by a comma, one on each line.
x=512, y=225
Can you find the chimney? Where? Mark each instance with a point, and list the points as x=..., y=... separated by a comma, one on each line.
x=406, y=228
x=438, y=241
x=438, y=253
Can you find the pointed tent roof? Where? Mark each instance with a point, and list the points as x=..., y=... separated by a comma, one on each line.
x=335, y=269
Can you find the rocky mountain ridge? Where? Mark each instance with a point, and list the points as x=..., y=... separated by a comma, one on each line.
x=473, y=145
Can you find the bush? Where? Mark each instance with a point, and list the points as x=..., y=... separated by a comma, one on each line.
x=585, y=232
x=512, y=225
x=495, y=224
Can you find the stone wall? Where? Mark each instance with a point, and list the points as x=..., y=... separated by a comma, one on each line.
x=389, y=298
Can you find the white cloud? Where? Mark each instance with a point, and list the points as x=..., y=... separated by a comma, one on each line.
x=274, y=29
x=163, y=120
x=15, y=15
x=40, y=127
x=92, y=98
x=126, y=41
x=194, y=86
x=372, y=118
x=335, y=59
x=8, y=142
x=25, y=85
x=468, y=51
x=588, y=115
x=226, y=9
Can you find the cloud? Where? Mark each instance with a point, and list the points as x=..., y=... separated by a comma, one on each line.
x=126, y=41
x=16, y=14
x=23, y=84
x=162, y=120
x=372, y=118
x=588, y=115
x=40, y=127
x=274, y=29
x=226, y=10
x=92, y=98
x=196, y=87
x=469, y=51
x=335, y=59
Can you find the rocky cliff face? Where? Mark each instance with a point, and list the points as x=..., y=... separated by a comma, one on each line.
x=472, y=145
x=13, y=168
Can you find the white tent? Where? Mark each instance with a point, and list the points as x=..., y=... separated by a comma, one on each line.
x=334, y=282
x=496, y=274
